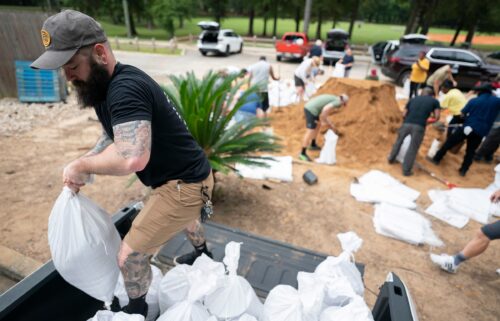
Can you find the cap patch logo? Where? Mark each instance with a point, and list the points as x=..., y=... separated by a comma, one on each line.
x=45, y=38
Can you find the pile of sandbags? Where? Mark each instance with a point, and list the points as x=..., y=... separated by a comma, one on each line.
x=333, y=292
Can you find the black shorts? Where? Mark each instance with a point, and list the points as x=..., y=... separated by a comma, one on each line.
x=492, y=230
x=299, y=82
x=311, y=120
x=264, y=101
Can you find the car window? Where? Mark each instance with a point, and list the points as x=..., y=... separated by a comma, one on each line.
x=293, y=38
x=465, y=57
x=227, y=34
x=443, y=55
x=408, y=51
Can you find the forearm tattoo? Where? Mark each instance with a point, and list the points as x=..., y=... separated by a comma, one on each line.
x=137, y=274
x=196, y=234
x=103, y=142
x=133, y=138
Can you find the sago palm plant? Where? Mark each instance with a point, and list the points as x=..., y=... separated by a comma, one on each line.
x=203, y=104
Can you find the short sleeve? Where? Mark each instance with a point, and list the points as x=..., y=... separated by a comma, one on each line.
x=129, y=100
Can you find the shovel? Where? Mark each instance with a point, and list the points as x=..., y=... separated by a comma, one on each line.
x=433, y=175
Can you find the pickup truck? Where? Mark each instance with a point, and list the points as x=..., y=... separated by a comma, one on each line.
x=265, y=263
x=293, y=45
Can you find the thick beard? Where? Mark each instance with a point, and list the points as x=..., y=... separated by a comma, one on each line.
x=93, y=91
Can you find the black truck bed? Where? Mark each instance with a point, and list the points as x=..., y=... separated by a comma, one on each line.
x=265, y=263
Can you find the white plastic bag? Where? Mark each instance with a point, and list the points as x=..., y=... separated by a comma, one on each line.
x=84, y=245
x=338, y=291
x=328, y=154
x=104, y=315
x=439, y=209
x=310, y=89
x=234, y=295
x=312, y=294
x=338, y=71
x=404, y=224
x=247, y=317
x=174, y=286
x=342, y=267
x=356, y=310
x=404, y=148
x=433, y=149
x=350, y=241
x=192, y=309
x=283, y=304
x=151, y=297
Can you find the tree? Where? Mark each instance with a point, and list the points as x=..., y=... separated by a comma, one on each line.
x=202, y=105
x=417, y=7
x=354, y=15
x=217, y=8
x=307, y=15
x=275, y=17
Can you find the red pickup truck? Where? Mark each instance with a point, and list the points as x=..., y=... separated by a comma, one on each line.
x=293, y=45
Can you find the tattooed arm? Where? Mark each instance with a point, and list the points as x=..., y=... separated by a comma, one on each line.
x=129, y=153
x=101, y=144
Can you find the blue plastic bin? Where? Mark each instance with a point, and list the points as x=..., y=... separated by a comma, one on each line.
x=38, y=85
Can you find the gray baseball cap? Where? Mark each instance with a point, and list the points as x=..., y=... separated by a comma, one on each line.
x=63, y=34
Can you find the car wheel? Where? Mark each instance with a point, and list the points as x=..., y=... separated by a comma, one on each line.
x=241, y=48
x=403, y=77
x=203, y=52
x=278, y=57
x=227, y=51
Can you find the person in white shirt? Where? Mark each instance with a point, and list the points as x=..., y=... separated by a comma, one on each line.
x=303, y=73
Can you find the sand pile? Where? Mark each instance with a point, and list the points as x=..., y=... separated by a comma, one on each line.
x=368, y=124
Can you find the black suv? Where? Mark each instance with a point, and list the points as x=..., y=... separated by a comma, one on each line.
x=467, y=67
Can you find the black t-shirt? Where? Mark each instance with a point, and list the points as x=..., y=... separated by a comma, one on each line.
x=347, y=59
x=419, y=109
x=132, y=95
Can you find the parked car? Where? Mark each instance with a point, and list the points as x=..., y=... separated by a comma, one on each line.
x=467, y=67
x=220, y=41
x=336, y=41
x=293, y=45
x=380, y=49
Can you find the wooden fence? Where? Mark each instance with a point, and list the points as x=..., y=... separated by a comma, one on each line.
x=19, y=40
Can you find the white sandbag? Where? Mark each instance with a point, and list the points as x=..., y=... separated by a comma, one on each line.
x=207, y=265
x=403, y=149
x=283, y=304
x=310, y=89
x=312, y=295
x=338, y=71
x=350, y=241
x=439, y=209
x=151, y=297
x=406, y=88
x=404, y=224
x=472, y=202
x=328, y=154
x=105, y=315
x=342, y=267
x=84, y=245
x=279, y=168
x=496, y=183
x=192, y=309
x=338, y=290
x=281, y=93
x=434, y=148
x=356, y=310
x=234, y=295
x=247, y=317
x=174, y=286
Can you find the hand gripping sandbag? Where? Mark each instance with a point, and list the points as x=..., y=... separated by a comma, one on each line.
x=234, y=295
x=192, y=309
x=151, y=297
x=174, y=286
x=283, y=303
x=356, y=310
x=84, y=245
x=104, y=315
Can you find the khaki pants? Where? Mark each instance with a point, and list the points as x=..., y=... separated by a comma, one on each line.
x=171, y=207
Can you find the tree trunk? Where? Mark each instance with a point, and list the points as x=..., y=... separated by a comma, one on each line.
x=460, y=25
x=471, y=30
x=354, y=15
x=132, y=25
x=307, y=16
x=414, y=12
x=181, y=22
x=297, y=19
x=320, y=21
x=264, y=30
x=250, y=21
x=275, y=18
x=334, y=23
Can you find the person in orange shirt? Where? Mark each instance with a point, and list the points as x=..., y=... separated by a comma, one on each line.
x=418, y=73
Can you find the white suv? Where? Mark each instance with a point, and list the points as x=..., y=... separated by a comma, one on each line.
x=213, y=39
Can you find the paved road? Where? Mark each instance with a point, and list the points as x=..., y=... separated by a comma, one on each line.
x=160, y=66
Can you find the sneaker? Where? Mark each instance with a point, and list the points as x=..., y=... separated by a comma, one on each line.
x=305, y=158
x=190, y=257
x=462, y=172
x=407, y=173
x=314, y=147
x=445, y=262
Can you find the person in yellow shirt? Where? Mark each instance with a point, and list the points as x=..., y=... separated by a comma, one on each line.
x=418, y=73
x=454, y=101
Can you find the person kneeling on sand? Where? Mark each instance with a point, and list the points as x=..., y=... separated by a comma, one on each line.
x=416, y=113
x=318, y=109
x=476, y=246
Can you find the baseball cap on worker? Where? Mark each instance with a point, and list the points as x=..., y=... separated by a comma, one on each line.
x=63, y=34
